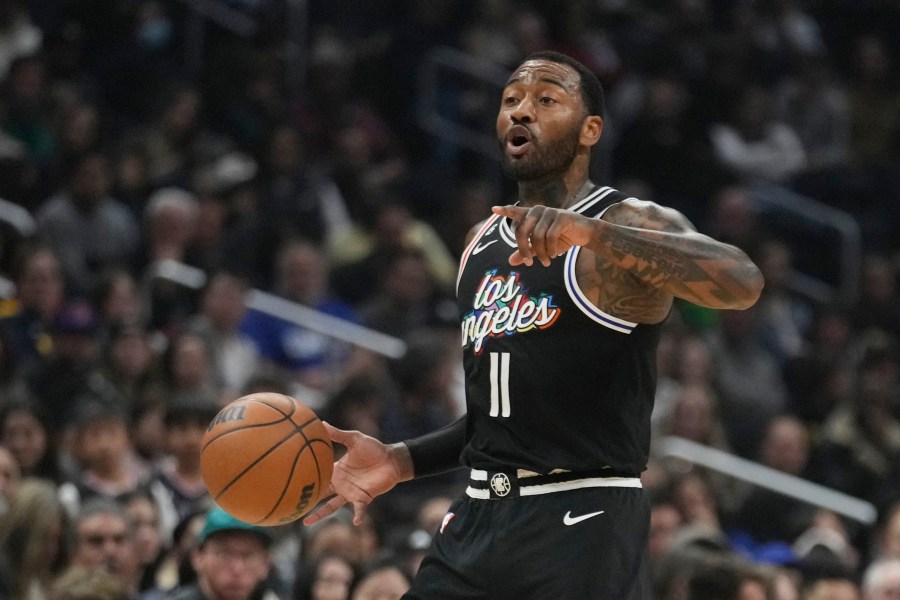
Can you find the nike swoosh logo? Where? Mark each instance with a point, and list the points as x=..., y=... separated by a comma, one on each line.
x=570, y=520
x=481, y=247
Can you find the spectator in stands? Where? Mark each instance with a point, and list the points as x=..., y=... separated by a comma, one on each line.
x=859, y=444
x=189, y=368
x=27, y=118
x=186, y=420
x=881, y=580
x=171, y=142
x=71, y=366
x=149, y=545
x=748, y=380
x=714, y=581
x=328, y=577
x=407, y=298
x=755, y=146
x=313, y=358
x=334, y=536
x=814, y=103
x=108, y=467
x=362, y=257
x=299, y=200
x=665, y=522
x=783, y=317
x=232, y=560
x=170, y=223
x=175, y=569
x=26, y=432
x=766, y=515
x=222, y=309
x=129, y=365
x=79, y=132
x=40, y=294
x=103, y=538
x=879, y=302
x=116, y=299
x=734, y=217
x=170, y=219
x=32, y=542
x=820, y=377
x=90, y=229
x=359, y=403
x=130, y=177
x=381, y=580
x=874, y=102
x=665, y=148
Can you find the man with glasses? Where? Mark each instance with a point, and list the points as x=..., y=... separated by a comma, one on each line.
x=231, y=561
x=103, y=539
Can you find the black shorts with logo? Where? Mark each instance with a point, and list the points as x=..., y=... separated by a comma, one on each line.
x=549, y=537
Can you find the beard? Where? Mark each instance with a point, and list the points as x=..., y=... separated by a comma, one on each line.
x=542, y=160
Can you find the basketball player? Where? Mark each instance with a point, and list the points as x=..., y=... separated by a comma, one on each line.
x=561, y=299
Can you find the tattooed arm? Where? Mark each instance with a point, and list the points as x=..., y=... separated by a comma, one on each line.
x=644, y=255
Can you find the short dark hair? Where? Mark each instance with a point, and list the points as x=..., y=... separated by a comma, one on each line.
x=591, y=88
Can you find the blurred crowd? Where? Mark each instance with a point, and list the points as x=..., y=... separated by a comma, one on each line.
x=161, y=191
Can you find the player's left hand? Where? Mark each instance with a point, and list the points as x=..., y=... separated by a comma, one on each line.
x=543, y=233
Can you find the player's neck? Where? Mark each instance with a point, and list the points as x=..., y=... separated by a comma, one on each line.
x=555, y=192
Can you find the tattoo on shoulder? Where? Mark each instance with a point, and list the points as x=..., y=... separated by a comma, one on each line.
x=647, y=215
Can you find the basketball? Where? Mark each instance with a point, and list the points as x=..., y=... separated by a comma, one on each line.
x=266, y=459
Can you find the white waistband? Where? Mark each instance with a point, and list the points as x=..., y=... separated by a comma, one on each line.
x=549, y=488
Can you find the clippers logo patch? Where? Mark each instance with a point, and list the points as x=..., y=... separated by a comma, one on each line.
x=503, y=307
x=500, y=484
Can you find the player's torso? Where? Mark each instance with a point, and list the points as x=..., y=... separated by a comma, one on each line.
x=552, y=382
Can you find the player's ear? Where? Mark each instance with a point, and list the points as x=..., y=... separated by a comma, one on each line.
x=591, y=128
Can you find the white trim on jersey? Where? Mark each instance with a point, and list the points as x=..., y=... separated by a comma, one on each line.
x=581, y=300
x=585, y=305
x=468, y=251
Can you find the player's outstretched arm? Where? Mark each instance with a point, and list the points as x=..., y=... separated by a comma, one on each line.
x=368, y=469
x=656, y=246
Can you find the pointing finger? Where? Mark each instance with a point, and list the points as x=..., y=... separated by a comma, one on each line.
x=510, y=210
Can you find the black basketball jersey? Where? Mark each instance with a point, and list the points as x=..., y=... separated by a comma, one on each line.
x=552, y=382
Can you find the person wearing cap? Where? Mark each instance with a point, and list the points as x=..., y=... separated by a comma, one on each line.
x=231, y=561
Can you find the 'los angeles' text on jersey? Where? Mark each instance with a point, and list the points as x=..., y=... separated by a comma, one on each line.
x=502, y=306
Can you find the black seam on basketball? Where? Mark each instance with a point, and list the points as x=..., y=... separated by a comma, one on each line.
x=254, y=463
x=287, y=482
x=308, y=444
x=275, y=408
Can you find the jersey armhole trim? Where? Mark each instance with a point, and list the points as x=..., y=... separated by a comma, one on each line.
x=585, y=305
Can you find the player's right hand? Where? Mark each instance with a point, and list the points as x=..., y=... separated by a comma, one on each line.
x=368, y=469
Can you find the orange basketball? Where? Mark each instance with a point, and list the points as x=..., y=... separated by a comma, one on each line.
x=266, y=459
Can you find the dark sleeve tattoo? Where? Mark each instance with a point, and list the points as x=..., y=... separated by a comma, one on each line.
x=659, y=249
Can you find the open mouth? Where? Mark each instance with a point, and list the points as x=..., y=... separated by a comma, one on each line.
x=518, y=139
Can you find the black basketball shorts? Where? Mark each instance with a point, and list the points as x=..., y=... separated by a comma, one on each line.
x=566, y=537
